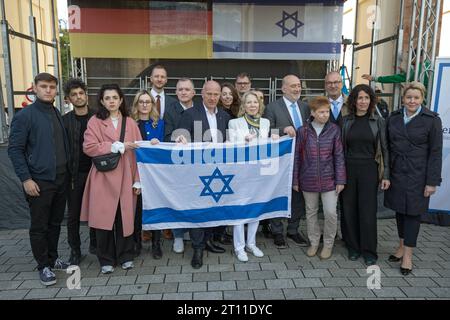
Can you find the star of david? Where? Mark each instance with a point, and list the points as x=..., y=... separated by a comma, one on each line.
x=226, y=189
x=286, y=18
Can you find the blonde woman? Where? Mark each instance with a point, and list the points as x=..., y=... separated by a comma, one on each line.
x=150, y=125
x=248, y=126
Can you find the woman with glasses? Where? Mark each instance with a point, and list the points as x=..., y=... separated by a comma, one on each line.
x=145, y=113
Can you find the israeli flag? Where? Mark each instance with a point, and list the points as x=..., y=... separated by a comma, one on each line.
x=206, y=185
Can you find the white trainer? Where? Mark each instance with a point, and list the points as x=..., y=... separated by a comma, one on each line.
x=178, y=245
x=107, y=269
x=127, y=265
x=242, y=256
x=255, y=251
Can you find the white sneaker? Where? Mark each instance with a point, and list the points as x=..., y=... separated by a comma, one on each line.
x=255, y=251
x=242, y=256
x=178, y=245
x=107, y=269
x=127, y=265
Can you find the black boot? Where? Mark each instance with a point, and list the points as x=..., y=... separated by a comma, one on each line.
x=75, y=257
x=197, y=259
x=156, y=244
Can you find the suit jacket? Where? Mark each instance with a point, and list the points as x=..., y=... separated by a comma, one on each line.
x=198, y=114
x=168, y=100
x=172, y=116
x=278, y=114
x=238, y=129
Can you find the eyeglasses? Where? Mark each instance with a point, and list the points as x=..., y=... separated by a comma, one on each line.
x=242, y=83
x=145, y=102
x=335, y=83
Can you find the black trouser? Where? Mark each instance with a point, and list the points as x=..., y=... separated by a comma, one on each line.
x=47, y=213
x=197, y=236
x=214, y=231
x=112, y=246
x=156, y=234
x=359, y=199
x=408, y=228
x=74, y=200
x=297, y=211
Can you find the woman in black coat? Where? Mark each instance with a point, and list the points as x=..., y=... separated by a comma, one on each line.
x=415, y=143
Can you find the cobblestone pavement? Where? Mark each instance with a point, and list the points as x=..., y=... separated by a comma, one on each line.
x=280, y=274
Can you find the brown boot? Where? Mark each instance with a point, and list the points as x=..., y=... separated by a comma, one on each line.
x=146, y=235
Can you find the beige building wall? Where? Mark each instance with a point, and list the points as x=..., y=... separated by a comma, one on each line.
x=17, y=14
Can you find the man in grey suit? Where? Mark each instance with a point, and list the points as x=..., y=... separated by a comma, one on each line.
x=286, y=115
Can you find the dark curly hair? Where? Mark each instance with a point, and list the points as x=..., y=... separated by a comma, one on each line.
x=74, y=83
x=234, y=108
x=353, y=98
x=102, y=112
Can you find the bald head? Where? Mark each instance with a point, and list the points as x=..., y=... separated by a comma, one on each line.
x=333, y=85
x=211, y=94
x=291, y=87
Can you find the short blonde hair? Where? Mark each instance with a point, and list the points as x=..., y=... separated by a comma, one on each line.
x=154, y=115
x=244, y=99
x=319, y=102
x=414, y=86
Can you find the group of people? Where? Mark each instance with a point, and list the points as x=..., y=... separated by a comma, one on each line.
x=344, y=151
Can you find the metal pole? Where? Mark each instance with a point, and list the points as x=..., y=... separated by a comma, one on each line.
x=354, y=40
x=34, y=43
x=56, y=57
x=411, y=40
x=419, y=44
x=3, y=126
x=433, y=54
x=7, y=63
x=399, y=53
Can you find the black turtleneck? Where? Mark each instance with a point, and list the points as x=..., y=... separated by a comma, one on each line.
x=58, y=136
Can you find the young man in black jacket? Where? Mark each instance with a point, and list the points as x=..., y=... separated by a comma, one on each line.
x=39, y=151
x=75, y=123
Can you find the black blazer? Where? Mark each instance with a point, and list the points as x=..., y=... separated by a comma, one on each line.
x=278, y=114
x=172, y=116
x=198, y=114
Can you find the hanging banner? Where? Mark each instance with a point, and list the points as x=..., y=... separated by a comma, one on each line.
x=440, y=104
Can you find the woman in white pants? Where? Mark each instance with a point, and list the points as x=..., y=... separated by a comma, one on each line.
x=248, y=126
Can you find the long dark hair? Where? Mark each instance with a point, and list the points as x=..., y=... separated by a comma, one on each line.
x=234, y=108
x=102, y=112
x=353, y=98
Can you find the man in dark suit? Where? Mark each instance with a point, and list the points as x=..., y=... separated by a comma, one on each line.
x=204, y=123
x=158, y=78
x=286, y=115
x=338, y=101
x=185, y=93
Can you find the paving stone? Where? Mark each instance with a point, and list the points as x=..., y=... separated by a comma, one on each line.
x=281, y=258
x=418, y=292
x=316, y=273
x=424, y=273
x=392, y=292
x=441, y=292
x=299, y=293
x=177, y=296
x=236, y=275
x=183, y=277
x=152, y=296
x=289, y=274
x=308, y=283
x=336, y=282
x=10, y=285
x=189, y=269
x=168, y=270
x=210, y=295
x=68, y=293
x=279, y=284
x=13, y=294
x=358, y=293
x=159, y=278
x=421, y=282
x=220, y=268
x=122, y=280
x=207, y=276
x=247, y=266
x=93, y=281
x=343, y=272
x=221, y=285
x=141, y=271
x=103, y=291
x=238, y=295
x=276, y=294
x=133, y=289
x=262, y=275
x=192, y=287
x=273, y=266
x=14, y=275
x=42, y=293
x=328, y=293
x=251, y=284
x=442, y=282
x=163, y=287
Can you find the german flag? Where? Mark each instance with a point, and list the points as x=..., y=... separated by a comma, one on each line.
x=140, y=29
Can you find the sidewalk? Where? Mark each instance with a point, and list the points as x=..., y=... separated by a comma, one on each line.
x=280, y=274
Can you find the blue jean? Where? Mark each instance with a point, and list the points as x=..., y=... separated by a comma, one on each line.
x=179, y=233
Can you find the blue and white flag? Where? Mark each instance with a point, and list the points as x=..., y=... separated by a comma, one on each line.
x=205, y=185
x=284, y=29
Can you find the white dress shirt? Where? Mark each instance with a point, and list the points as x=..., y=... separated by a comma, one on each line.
x=162, y=100
x=212, y=121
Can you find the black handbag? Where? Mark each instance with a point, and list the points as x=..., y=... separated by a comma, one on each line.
x=108, y=162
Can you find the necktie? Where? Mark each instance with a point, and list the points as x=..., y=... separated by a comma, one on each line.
x=335, y=109
x=296, y=118
x=158, y=104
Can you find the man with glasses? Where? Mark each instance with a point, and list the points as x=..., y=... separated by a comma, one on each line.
x=333, y=88
x=243, y=83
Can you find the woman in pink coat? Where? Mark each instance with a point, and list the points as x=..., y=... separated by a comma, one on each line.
x=109, y=199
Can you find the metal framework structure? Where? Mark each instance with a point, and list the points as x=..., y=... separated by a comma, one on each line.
x=6, y=33
x=423, y=41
